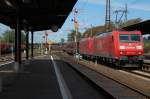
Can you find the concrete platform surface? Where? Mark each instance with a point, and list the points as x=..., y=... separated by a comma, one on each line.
x=40, y=81
x=37, y=82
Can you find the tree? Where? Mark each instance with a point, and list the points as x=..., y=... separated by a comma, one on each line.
x=9, y=36
x=62, y=40
x=131, y=22
x=100, y=29
x=93, y=31
x=71, y=36
x=96, y=30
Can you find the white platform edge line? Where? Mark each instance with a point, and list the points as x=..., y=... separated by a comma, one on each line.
x=62, y=85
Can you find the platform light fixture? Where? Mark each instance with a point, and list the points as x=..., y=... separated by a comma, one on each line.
x=30, y=28
x=8, y=3
x=26, y=1
x=24, y=21
x=54, y=28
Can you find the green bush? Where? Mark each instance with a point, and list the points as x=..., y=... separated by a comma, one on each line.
x=147, y=46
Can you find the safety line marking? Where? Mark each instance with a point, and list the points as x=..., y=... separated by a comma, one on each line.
x=62, y=85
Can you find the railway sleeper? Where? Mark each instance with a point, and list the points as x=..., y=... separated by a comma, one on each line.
x=127, y=64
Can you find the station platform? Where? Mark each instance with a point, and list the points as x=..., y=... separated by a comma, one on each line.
x=38, y=81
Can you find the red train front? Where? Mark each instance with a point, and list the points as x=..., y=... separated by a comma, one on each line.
x=128, y=48
x=120, y=47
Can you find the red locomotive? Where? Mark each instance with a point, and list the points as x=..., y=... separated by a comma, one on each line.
x=120, y=47
x=86, y=47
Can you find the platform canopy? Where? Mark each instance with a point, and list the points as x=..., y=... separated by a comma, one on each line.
x=36, y=14
x=144, y=27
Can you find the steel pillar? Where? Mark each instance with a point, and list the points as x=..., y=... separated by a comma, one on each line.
x=18, y=41
x=17, y=62
x=1, y=85
x=27, y=45
x=15, y=44
x=31, y=44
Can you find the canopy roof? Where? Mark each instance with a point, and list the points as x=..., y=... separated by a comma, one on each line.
x=37, y=14
x=144, y=27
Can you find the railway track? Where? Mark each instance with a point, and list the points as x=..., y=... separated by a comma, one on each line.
x=10, y=57
x=146, y=67
x=144, y=72
x=6, y=58
x=140, y=73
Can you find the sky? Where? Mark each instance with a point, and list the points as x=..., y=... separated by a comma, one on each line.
x=92, y=13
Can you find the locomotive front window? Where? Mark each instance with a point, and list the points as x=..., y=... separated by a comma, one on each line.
x=135, y=37
x=130, y=37
x=124, y=37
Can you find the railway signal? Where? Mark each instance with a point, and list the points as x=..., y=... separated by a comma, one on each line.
x=44, y=43
x=76, y=26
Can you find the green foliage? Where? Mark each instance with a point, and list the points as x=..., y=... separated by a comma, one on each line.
x=147, y=46
x=93, y=31
x=71, y=36
x=131, y=22
x=62, y=40
x=9, y=36
x=96, y=30
x=100, y=29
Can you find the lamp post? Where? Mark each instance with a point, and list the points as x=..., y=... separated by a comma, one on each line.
x=76, y=26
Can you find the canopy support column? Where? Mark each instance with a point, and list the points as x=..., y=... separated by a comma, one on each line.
x=18, y=41
x=32, y=36
x=27, y=45
x=17, y=45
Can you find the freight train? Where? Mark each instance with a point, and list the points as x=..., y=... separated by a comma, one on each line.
x=9, y=47
x=70, y=48
x=121, y=48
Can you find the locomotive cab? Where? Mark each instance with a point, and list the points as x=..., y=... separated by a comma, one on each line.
x=130, y=46
x=121, y=48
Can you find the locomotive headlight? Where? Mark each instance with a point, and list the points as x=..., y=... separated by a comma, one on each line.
x=139, y=53
x=122, y=47
x=139, y=47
